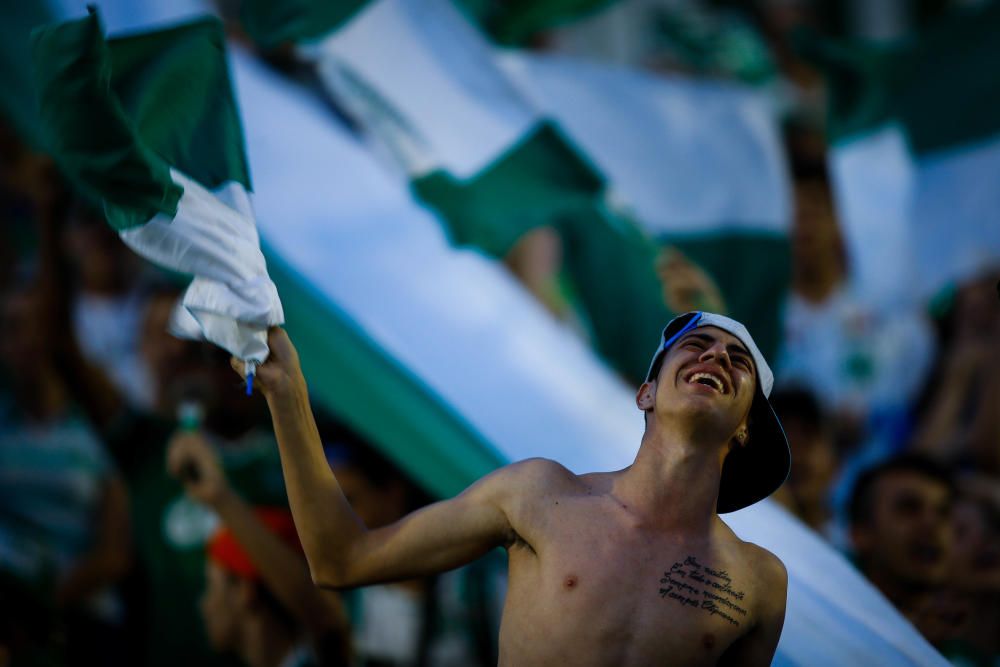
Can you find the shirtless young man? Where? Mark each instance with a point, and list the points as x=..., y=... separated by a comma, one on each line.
x=632, y=567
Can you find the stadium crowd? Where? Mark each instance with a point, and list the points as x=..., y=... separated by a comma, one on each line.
x=143, y=518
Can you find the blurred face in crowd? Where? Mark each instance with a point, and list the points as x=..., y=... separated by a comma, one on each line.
x=221, y=606
x=813, y=459
x=103, y=263
x=907, y=540
x=25, y=342
x=977, y=542
x=975, y=309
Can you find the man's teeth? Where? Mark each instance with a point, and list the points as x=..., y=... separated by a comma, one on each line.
x=712, y=380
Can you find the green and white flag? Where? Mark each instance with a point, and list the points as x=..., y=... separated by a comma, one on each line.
x=697, y=164
x=422, y=83
x=434, y=352
x=147, y=124
x=915, y=159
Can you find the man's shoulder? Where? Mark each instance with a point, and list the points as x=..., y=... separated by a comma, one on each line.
x=528, y=480
x=768, y=563
x=769, y=574
x=542, y=475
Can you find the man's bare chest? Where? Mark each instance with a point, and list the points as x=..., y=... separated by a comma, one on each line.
x=657, y=594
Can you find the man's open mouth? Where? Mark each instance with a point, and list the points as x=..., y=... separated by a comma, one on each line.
x=709, y=380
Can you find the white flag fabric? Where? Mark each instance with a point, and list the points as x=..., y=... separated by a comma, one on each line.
x=675, y=151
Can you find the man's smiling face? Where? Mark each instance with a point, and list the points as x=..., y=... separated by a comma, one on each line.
x=707, y=373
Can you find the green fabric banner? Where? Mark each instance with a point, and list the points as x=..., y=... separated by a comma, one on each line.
x=515, y=22
x=938, y=86
x=119, y=113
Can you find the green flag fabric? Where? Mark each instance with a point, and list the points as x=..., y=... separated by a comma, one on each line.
x=147, y=125
x=916, y=153
x=515, y=22
x=18, y=101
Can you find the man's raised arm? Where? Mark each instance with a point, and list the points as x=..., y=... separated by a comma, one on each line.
x=341, y=551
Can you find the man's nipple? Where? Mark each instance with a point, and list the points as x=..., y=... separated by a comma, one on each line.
x=570, y=582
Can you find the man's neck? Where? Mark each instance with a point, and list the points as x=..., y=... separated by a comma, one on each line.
x=673, y=482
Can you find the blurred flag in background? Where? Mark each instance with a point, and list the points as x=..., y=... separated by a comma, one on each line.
x=496, y=159
x=915, y=134
x=675, y=153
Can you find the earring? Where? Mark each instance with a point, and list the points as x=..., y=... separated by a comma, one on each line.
x=742, y=437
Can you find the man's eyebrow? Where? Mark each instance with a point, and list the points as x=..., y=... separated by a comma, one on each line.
x=732, y=348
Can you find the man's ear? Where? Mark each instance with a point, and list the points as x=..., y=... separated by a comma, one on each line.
x=645, y=398
x=741, y=438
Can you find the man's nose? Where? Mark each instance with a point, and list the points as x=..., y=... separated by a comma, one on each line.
x=718, y=352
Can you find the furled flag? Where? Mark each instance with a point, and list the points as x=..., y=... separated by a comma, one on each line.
x=698, y=164
x=147, y=124
x=915, y=156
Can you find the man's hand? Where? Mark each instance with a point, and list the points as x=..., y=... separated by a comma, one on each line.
x=686, y=286
x=191, y=459
x=281, y=372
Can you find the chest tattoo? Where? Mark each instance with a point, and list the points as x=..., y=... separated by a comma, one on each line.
x=698, y=586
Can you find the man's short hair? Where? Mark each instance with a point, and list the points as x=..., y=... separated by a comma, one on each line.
x=862, y=500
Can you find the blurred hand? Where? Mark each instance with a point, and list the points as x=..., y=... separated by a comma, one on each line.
x=193, y=461
x=281, y=372
x=686, y=286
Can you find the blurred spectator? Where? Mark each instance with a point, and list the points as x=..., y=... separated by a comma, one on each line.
x=903, y=539
x=977, y=578
x=26, y=192
x=864, y=361
x=170, y=530
x=814, y=456
x=64, y=522
x=446, y=621
x=108, y=302
x=259, y=601
x=961, y=415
